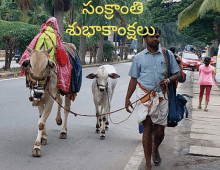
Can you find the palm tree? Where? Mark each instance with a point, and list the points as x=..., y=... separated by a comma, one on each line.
x=197, y=9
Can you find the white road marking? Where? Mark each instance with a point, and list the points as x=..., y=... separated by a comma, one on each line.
x=12, y=79
x=136, y=158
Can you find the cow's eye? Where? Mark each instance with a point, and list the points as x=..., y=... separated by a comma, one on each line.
x=97, y=77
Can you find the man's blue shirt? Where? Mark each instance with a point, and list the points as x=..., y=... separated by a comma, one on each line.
x=150, y=69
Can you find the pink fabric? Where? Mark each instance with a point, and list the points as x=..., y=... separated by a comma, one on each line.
x=208, y=90
x=64, y=73
x=206, y=75
x=26, y=53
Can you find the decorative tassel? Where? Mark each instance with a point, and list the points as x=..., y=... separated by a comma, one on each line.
x=61, y=57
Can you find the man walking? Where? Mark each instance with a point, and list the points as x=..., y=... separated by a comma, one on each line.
x=147, y=71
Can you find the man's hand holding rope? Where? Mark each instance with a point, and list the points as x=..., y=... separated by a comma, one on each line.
x=131, y=89
x=127, y=104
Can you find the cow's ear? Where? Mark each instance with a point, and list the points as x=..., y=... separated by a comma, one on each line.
x=91, y=76
x=113, y=75
x=26, y=64
x=51, y=64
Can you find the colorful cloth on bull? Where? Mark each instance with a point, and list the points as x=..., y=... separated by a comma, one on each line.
x=51, y=28
x=46, y=39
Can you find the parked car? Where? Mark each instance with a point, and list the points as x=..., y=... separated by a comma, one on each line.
x=190, y=60
x=203, y=54
x=17, y=55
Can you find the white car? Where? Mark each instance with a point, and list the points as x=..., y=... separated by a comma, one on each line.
x=203, y=53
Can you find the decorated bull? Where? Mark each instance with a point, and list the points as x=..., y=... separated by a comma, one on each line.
x=105, y=80
x=52, y=68
x=41, y=78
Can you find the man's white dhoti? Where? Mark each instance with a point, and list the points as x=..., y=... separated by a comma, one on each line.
x=158, y=111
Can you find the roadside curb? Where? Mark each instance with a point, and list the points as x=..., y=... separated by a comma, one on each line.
x=8, y=74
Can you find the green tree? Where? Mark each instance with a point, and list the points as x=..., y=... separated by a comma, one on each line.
x=165, y=16
x=197, y=10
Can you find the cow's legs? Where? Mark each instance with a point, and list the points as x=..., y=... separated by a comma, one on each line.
x=44, y=133
x=104, y=118
x=40, y=109
x=41, y=127
x=58, y=117
x=63, y=133
x=108, y=104
x=44, y=137
x=98, y=122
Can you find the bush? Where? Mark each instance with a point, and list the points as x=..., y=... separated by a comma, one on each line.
x=108, y=49
x=25, y=32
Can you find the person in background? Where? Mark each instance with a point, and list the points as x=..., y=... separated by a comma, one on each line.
x=206, y=81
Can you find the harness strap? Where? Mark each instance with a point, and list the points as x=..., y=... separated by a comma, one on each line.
x=147, y=96
x=166, y=60
x=51, y=40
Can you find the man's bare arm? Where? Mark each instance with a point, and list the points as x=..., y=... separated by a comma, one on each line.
x=131, y=89
x=171, y=79
x=174, y=77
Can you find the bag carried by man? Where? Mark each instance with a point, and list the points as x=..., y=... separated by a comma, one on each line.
x=176, y=102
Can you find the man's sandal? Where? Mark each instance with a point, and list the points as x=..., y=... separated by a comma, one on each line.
x=199, y=107
x=206, y=110
x=157, y=160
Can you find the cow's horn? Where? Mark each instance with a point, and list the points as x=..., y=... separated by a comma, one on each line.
x=49, y=50
x=29, y=49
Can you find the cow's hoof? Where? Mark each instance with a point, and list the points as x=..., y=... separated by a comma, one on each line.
x=36, y=152
x=43, y=141
x=97, y=130
x=63, y=135
x=59, y=121
x=102, y=137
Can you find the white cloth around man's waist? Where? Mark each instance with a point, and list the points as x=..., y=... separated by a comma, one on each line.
x=157, y=110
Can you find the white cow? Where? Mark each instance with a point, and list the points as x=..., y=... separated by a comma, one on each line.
x=103, y=89
x=41, y=76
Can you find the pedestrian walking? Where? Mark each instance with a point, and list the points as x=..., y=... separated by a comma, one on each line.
x=206, y=81
x=148, y=70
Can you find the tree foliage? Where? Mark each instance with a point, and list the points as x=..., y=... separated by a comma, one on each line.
x=203, y=28
x=166, y=12
x=25, y=32
x=197, y=9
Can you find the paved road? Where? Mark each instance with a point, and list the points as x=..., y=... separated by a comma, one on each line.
x=82, y=150
x=13, y=64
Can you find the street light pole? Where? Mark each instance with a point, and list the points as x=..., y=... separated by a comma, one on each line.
x=217, y=76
